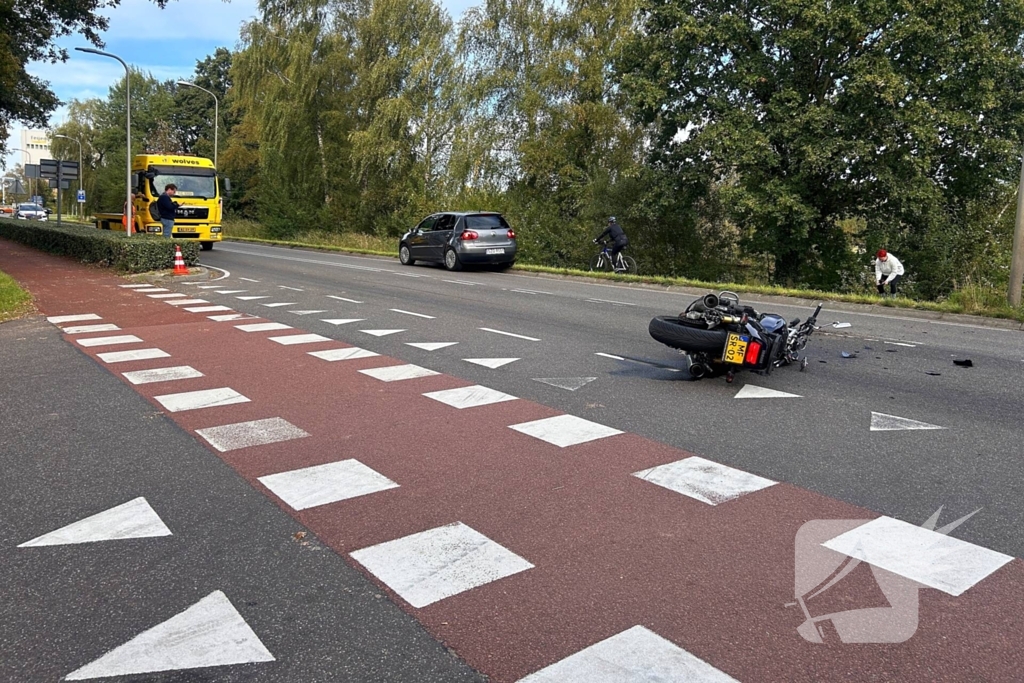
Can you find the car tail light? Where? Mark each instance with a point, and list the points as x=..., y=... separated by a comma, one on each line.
x=511, y=234
x=753, y=351
x=469, y=235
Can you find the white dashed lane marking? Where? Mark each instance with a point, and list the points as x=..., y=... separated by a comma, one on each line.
x=233, y=316
x=230, y=291
x=294, y=289
x=509, y=334
x=397, y=373
x=928, y=557
x=263, y=327
x=278, y=305
x=341, y=298
x=293, y=339
x=252, y=298
x=232, y=437
x=248, y=279
x=187, y=302
x=323, y=484
x=418, y=315
x=133, y=286
x=703, y=480
x=565, y=430
x=85, y=329
x=162, y=374
x=470, y=397
x=169, y=295
x=351, y=353
x=58, y=319
x=439, y=563
x=197, y=400
x=109, y=341
x=138, y=354
x=208, y=309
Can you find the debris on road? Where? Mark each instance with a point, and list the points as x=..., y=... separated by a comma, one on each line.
x=839, y=325
x=966, y=363
x=847, y=354
x=933, y=374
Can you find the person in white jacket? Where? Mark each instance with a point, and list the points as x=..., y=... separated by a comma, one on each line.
x=888, y=271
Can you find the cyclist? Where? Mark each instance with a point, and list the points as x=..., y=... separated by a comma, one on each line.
x=619, y=241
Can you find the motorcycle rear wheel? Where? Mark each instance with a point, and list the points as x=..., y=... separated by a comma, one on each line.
x=680, y=333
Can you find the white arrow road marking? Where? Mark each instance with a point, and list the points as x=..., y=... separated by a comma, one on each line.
x=880, y=422
x=134, y=519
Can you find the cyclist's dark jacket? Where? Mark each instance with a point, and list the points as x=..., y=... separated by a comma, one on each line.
x=618, y=235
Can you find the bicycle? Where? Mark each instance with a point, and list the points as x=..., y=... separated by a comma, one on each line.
x=603, y=261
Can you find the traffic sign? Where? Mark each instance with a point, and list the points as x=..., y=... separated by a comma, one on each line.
x=48, y=168
x=69, y=170
x=37, y=199
x=31, y=170
x=81, y=196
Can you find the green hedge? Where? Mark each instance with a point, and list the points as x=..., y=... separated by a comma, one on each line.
x=138, y=254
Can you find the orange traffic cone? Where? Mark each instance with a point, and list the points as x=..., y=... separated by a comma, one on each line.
x=179, y=262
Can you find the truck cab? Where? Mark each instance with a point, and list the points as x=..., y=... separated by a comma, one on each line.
x=198, y=217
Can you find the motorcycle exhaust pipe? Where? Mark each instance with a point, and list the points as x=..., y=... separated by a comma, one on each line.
x=698, y=370
x=710, y=300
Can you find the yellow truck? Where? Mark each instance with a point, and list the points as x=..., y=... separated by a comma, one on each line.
x=198, y=217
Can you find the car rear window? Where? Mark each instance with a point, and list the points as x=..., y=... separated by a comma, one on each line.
x=489, y=222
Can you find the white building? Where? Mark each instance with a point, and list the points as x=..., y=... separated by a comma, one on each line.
x=36, y=143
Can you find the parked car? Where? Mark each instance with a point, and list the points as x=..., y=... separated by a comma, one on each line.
x=30, y=211
x=6, y=211
x=455, y=239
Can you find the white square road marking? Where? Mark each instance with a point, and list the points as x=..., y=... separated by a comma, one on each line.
x=138, y=354
x=293, y=339
x=162, y=374
x=703, y=480
x=187, y=302
x=233, y=316
x=636, y=655
x=469, y=397
x=277, y=305
x=85, y=329
x=107, y=341
x=395, y=373
x=322, y=484
x=263, y=327
x=58, y=319
x=150, y=290
x=204, y=398
x=208, y=309
x=231, y=291
x=252, y=298
x=565, y=430
x=439, y=563
x=171, y=295
x=253, y=433
x=132, y=286
x=351, y=353
x=927, y=557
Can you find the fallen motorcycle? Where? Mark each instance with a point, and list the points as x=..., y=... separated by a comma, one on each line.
x=720, y=336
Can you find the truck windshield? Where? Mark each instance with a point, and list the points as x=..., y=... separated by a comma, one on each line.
x=195, y=186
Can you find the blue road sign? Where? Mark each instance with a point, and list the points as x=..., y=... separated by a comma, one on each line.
x=81, y=196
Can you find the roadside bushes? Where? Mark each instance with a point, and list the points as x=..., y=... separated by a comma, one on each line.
x=139, y=254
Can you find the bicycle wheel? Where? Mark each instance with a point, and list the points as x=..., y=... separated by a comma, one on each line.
x=629, y=264
x=599, y=262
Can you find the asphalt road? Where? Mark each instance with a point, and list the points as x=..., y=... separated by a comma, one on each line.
x=77, y=441
x=820, y=441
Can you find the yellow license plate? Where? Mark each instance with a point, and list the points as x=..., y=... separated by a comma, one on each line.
x=735, y=348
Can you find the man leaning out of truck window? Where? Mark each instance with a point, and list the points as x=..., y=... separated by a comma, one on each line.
x=166, y=205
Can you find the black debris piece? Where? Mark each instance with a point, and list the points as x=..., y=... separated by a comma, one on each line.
x=822, y=361
x=933, y=374
x=891, y=350
x=966, y=363
x=868, y=348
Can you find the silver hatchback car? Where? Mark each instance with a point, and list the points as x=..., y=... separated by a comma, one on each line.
x=455, y=239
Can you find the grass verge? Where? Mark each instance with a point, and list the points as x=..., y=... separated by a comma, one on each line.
x=971, y=301
x=14, y=301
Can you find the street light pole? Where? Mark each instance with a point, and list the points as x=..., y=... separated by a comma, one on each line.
x=1017, y=255
x=27, y=179
x=128, y=125
x=68, y=137
x=216, y=116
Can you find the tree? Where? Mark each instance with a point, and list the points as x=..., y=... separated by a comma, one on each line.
x=906, y=115
x=28, y=30
x=192, y=117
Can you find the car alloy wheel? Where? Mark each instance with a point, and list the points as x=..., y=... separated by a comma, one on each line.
x=451, y=260
x=404, y=255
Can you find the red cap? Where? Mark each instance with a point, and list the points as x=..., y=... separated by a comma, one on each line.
x=882, y=253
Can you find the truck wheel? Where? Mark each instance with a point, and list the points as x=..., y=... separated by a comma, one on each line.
x=207, y=246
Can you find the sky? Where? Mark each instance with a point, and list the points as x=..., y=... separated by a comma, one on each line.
x=166, y=43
